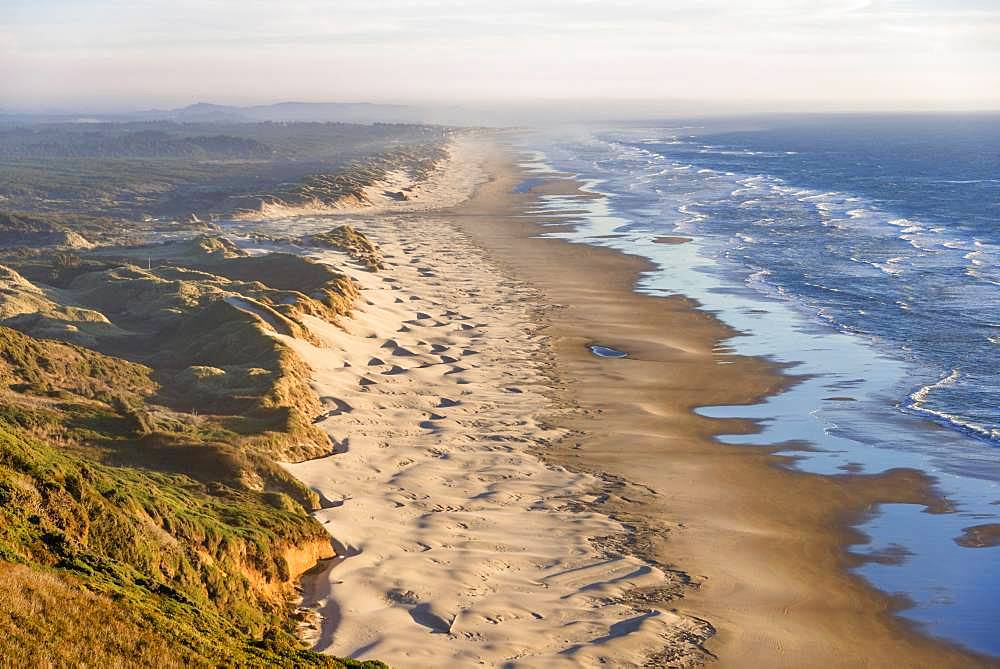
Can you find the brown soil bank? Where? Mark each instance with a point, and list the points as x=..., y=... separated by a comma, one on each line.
x=764, y=546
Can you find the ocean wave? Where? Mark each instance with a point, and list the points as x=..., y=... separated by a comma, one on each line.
x=758, y=276
x=916, y=403
x=823, y=197
x=877, y=271
x=891, y=266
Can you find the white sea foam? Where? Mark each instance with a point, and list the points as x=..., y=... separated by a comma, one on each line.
x=916, y=402
x=920, y=395
x=890, y=266
x=827, y=196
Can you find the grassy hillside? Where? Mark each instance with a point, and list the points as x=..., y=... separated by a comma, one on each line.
x=345, y=238
x=104, y=179
x=143, y=519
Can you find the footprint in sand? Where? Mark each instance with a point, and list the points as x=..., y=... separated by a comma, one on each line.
x=439, y=348
x=396, y=349
x=445, y=403
x=376, y=362
x=339, y=406
x=395, y=369
x=423, y=615
x=431, y=423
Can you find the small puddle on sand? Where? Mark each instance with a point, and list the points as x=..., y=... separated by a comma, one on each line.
x=606, y=351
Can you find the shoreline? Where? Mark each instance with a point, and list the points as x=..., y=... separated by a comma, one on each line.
x=810, y=611
x=836, y=503
x=436, y=390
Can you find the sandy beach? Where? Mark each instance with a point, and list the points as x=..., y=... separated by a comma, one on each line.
x=500, y=496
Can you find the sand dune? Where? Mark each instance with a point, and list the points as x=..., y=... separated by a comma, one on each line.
x=458, y=545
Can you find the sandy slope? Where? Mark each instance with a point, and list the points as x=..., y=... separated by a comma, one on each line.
x=459, y=545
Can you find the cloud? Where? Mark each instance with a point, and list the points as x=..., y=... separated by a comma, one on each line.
x=853, y=50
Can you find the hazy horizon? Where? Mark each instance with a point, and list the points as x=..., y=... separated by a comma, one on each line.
x=780, y=55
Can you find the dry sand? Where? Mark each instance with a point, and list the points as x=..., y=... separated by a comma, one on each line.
x=501, y=497
x=460, y=545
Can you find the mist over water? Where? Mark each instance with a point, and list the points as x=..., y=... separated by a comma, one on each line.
x=864, y=252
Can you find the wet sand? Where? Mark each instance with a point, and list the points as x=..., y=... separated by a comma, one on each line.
x=588, y=515
x=765, y=547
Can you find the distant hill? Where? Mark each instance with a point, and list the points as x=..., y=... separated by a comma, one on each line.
x=123, y=141
x=35, y=232
x=342, y=112
x=281, y=112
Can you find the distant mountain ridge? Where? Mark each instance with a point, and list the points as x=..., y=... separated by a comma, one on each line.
x=343, y=112
x=290, y=112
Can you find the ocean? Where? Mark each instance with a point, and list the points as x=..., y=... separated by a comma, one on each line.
x=863, y=252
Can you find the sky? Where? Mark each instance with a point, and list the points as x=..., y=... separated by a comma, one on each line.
x=740, y=55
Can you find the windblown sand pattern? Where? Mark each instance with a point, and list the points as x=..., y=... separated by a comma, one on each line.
x=458, y=545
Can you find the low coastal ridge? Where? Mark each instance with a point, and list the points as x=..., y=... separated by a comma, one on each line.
x=147, y=398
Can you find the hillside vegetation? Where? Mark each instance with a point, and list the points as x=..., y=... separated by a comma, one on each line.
x=113, y=180
x=345, y=238
x=143, y=520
